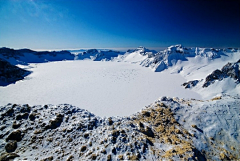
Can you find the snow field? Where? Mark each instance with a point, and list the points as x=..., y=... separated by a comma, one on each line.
x=104, y=88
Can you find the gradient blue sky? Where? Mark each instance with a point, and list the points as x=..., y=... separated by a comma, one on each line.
x=75, y=24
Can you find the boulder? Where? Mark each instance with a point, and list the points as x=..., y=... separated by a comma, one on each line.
x=15, y=135
x=53, y=124
x=11, y=146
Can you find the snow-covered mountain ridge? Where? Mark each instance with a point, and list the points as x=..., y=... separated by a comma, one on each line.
x=157, y=61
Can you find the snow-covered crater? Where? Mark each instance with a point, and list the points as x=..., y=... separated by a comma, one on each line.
x=104, y=88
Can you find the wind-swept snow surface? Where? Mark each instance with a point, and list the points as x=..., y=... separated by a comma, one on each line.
x=104, y=88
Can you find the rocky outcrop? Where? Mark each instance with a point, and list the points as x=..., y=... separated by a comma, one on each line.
x=166, y=129
x=10, y=73
x=231, y=70
x=190, y=84
x=70, y=132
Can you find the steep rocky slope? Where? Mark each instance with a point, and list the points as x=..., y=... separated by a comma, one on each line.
x=10, y=73
x=230, y=70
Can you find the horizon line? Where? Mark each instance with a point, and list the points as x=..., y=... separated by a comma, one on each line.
x=112, y=48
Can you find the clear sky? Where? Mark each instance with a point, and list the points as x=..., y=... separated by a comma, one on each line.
x=75, y=24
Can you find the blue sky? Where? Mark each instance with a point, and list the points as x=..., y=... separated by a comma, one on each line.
x=75, y=24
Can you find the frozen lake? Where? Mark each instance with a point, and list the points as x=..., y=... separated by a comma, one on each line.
x=104, y=88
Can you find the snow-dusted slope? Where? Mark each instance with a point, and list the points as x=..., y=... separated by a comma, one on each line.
x=170, y=128
x=217, y=82
x=174, y=56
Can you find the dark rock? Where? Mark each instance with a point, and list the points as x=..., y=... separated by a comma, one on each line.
x=109, y=121
x=215, y=75
x=48, y=159
x=114, y=151
x=83, y=148
x=146, y=113
x=116, y=133
x=86, y=135
x=141, y=125
x=91, y=124
x=25, y=108
x=11, y=146
x=15, y=125
x=147, y=131
x=19, y=117
x=32, y=116
x=94, y=157
x=190, y=84
x=10, y=73
x=22, y=116
x=25, y=115
x=8, y=156
x=9, y=112
x=2, y=127
x=15, y=135
x=113, y=140
x=231, y=70
x=53, y=124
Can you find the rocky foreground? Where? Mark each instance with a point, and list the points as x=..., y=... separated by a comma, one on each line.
x=170, y=128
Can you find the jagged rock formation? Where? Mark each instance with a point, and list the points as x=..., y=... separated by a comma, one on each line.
x=164, y=130
x=190, y=84
x=98, y=55
x=231, y=70
x=10, y=73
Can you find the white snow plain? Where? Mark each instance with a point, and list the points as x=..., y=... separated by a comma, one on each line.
x=103, y=88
